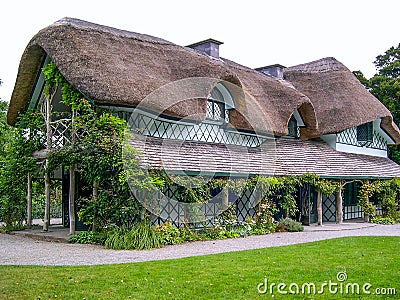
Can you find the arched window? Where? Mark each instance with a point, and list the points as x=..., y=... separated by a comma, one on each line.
x=218, y=104
x=293, y=127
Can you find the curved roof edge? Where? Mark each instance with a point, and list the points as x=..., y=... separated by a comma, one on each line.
x=339, y=99
x=120, y=67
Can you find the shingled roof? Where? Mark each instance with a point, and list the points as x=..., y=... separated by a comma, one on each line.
x=286, y=157
x=340, y=100
x=120, y=67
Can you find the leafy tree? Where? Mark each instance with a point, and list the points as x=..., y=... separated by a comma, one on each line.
x=16, y=147
x=385, y=85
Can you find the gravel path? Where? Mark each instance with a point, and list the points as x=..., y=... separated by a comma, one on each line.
x=17, y=250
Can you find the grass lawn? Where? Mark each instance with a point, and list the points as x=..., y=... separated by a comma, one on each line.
x=235, y=275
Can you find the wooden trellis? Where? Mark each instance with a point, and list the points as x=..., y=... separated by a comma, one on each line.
x=62, y=136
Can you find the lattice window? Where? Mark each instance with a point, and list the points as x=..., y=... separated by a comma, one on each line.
x=215, y=110
x=245, y=206
x=175, y=213
x=294, y=129
x=379, y=142
x=354, y=135
x=348, y=137
x=218, y=104
x=203, y=132
x=350, y=208
x=329, y=208
x=365, y=134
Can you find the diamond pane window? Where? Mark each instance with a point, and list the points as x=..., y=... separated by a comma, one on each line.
x=215, y=110
x=293, y=128
x=226, y=116
x=365, y=133
x=210, y=110
x=219, y=103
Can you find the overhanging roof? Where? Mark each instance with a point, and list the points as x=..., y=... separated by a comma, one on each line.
x=286, y=157
x=118, y=67
x=340, y=100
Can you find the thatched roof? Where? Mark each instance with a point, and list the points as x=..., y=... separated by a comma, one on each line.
x=120, y=67
x=340, y=100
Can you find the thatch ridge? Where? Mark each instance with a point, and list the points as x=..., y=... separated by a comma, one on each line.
x=85, y=25
x=321, y=65
x=340, y=100
x=119, y=67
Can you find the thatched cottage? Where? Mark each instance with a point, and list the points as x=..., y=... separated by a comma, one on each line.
x=201, y=113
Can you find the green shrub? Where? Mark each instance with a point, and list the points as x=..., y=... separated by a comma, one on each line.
x=172, y=235
x=382, y=220
x=142, y=236
x=88, y=237
x=169, y=233
x=290, y=225
x=9, y=228
x=188, y=235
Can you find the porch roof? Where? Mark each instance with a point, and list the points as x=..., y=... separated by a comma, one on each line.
x=282, y=157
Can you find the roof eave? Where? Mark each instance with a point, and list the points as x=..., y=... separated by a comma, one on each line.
x=29, y=67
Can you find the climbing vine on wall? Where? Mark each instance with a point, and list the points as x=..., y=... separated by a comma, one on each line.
x=387, y=193
x=96, y=149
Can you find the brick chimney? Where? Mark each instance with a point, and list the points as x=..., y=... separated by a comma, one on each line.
x=209, y=47
x=272, y=70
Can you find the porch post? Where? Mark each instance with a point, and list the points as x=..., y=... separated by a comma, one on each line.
x=71, y=200
x=339, y=207
x=49, y=134
x=366, y=216
x=47, y=200
x=29, y=202
x=319, y=207
x=71, y=197
x=225, y=198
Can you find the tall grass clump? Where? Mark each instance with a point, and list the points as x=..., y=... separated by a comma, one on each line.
x=141, y=236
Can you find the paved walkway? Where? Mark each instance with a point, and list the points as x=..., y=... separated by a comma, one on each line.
x=19, y=250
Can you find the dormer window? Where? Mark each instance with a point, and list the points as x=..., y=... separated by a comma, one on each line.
x=218, y=104
x=365, y=134
x=215, y=110
x=293, y=127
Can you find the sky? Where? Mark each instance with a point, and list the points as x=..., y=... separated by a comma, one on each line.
x=255, y=33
